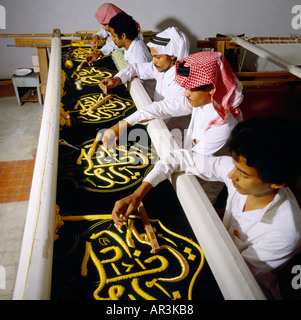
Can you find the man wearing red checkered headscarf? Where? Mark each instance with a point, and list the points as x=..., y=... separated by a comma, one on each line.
x=212, y=96
x=212, y=68
x=106, y=12
x=103, y=15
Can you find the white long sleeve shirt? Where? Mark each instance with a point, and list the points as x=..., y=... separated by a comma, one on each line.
x=165, y=86
x=137, y=52
x=266, y=238
x=110, y=45
x=196, y=137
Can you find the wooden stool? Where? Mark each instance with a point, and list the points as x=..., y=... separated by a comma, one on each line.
x=31, y=80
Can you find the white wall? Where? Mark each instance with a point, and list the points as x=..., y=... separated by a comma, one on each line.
x=198, y=18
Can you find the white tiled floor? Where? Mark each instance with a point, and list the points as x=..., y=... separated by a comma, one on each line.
x=19, y=133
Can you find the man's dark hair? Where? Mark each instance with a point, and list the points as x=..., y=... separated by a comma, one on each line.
x=123, y=23
x=271, y=145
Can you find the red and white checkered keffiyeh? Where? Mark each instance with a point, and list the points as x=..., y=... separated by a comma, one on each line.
x=106, y=12
x=211, y=67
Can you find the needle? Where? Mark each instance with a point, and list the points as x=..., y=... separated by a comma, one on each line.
x=65, y=143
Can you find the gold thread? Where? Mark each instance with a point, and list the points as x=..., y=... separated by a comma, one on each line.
x=138, y=290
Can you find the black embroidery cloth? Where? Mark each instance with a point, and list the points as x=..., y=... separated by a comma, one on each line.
x=92, y=260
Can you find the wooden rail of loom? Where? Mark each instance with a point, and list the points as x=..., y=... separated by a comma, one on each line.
x=259, y=78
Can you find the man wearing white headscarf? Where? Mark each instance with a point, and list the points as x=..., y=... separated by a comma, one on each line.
x=166, y=48
x=171, y=42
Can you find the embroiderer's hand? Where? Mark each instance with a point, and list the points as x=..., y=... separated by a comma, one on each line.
x=91, y=57
x=113, y=134
x=124, y=207
x=94, y=42
x=109, y=83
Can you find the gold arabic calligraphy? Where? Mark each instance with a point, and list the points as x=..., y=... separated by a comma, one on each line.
x=114, y=108
x=110, y=170
x=119, y=261
x=91, y=76
x=79, y=54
